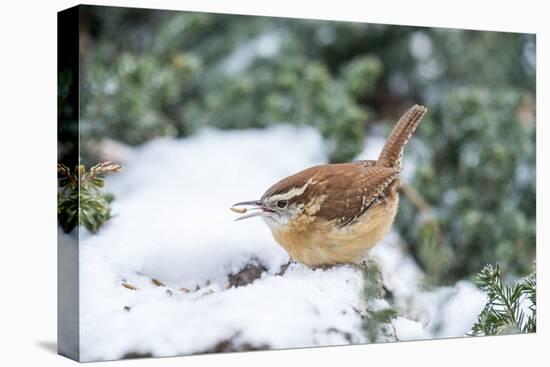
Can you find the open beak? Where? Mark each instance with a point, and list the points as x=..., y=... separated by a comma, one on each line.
x=256, y=210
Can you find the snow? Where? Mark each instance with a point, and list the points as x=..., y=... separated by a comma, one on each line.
x=406, y=329
x=281, y=312
x=460, y=311
x=172, y=223
x=443, y=312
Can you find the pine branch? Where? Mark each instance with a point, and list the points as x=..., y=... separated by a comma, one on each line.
x=80, y=200
x=376, y=320
x=431, y=253
x=503, y=313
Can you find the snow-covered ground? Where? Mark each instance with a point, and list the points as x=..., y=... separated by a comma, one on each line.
x=172, y=224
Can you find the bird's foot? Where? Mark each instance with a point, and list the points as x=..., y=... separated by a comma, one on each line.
x=284, y=268
x=362, y=266
x=324, y=266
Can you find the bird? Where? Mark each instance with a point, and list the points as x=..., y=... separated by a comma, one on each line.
x=336, y=213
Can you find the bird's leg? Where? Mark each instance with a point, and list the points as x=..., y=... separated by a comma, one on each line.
x=283, y=269
x=362, y=266
x=324, y=266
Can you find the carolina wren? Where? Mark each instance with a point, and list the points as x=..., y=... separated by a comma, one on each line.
x=335, y=213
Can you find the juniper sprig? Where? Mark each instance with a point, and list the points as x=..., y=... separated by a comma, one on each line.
x=80, y=200
x=505, y=312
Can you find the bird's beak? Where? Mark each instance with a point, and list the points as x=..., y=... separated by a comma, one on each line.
x=258, y=209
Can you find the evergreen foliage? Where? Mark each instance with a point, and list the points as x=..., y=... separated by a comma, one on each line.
x=158, y=73
x=197, y=70
x=478, y=176
x=506, y=311
x=80, y=200
x=377, y=320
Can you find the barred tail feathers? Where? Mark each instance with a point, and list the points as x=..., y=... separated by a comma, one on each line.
x=392, y=152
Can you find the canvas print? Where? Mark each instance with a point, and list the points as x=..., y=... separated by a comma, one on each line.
x=230, y=183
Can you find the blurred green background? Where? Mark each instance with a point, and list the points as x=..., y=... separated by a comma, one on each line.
x=148, y=73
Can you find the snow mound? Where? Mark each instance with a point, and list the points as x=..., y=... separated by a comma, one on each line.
x=172, y=274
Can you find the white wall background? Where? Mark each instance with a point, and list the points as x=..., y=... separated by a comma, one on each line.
x=27, y=186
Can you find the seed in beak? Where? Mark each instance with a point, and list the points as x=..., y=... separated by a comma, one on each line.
x=238, y=210
x=256, y=210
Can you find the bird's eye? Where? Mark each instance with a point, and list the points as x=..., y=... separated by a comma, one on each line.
x=282, y=204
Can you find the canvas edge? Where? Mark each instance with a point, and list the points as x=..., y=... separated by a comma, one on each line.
x=68, y=315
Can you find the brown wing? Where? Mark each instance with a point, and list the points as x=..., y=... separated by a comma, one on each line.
x=353, y=189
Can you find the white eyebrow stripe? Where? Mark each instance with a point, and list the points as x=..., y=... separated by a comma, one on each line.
x=295, y=191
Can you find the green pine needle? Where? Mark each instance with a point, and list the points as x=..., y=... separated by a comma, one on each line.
x=376, y=320
x=80, y=200
x=503, y=313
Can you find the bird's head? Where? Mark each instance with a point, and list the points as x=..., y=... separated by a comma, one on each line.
x=281, y=203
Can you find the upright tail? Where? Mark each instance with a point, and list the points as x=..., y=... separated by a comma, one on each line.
x=392, y=152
